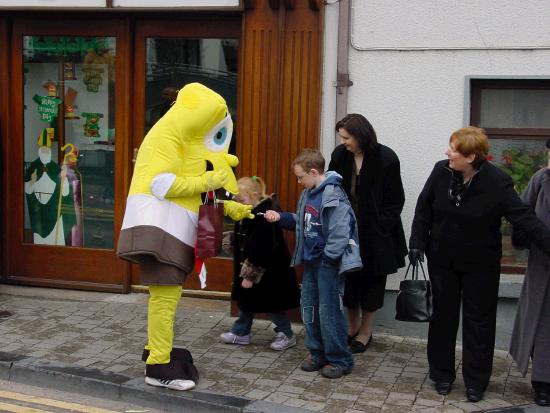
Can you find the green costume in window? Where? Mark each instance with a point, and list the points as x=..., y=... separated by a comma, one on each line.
x=43, y=188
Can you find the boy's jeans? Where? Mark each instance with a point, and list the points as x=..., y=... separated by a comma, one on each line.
x=323, y=315
x=243, y=324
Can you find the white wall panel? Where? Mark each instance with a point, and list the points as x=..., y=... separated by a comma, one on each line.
x=450, y=23
x=416, y=99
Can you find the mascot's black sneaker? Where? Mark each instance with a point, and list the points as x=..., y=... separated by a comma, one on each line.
x=171, y=384
x=176, y=375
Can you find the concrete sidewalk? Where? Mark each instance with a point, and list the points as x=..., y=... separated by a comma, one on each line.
x=107, y=332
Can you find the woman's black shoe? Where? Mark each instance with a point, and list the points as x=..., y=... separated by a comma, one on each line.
x=474, y=395
x=351, y=338
x=443, y=388
x=542, y=397
x=357, y=347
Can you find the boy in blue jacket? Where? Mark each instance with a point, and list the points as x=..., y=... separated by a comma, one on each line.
x=327, y=245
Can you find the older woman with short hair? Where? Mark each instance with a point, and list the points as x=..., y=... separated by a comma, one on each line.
x=457, y=224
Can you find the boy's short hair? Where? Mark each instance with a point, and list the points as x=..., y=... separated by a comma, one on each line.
x=310, y=159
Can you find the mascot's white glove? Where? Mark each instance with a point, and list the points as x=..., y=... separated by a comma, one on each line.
x=189, y=185
x=237, y=211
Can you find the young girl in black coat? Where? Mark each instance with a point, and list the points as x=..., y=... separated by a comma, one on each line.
x=263, y=281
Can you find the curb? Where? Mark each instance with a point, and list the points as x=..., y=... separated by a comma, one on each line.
x=98, y=383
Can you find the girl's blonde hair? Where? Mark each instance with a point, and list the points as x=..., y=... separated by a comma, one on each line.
x=253, y=185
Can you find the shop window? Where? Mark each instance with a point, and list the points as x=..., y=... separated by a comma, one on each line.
x=69, y=118
x=516, y=116
x=173, y=62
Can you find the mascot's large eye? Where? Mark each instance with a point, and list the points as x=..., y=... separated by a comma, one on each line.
x=219, y=137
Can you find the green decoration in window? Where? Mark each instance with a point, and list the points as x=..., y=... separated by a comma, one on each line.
x=48, y=107
x=93, y=78
x=65, y=45
x=91, y=126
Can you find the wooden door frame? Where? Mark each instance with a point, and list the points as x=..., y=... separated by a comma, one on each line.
x=23, y=260
x=4, y=82
x=275, y=108
x=195, y=26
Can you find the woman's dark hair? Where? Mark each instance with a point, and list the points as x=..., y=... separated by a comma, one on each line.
x=360, y=128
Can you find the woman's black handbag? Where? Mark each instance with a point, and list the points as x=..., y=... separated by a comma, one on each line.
x=414, y=299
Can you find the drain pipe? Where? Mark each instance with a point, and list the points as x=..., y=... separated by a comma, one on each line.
x=343, y=81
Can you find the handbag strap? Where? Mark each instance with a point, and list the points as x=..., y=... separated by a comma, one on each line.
x=423, y=273
x=414, y=272
x=408, y=268
x=208, y=198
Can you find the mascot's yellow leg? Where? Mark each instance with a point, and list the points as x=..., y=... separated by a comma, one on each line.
x=163, y=301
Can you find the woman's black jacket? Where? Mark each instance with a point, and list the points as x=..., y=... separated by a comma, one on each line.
x=466, y=235
x=381, y=199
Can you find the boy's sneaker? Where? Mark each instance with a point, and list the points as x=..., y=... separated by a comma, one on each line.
x=334, y=372
x=230, y=338
x=282, y=342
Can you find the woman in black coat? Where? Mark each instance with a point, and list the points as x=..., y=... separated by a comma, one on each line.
x=457, y=223
x=372, y=181
x=263, y=281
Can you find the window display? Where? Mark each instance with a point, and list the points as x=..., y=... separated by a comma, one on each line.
x=69, y=118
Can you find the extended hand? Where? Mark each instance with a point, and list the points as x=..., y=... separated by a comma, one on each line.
x=237, y=211
x=416, y=256
x=272, y=216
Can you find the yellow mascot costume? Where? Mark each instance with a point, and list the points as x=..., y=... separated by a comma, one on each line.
x=160, y=222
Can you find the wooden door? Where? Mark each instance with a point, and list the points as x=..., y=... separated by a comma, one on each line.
x=66, y=151
x=169, y=53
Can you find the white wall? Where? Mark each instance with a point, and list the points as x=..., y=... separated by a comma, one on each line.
x=416, y=98
x=451, y=23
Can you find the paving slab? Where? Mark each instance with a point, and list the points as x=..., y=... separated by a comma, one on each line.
x=92, y=342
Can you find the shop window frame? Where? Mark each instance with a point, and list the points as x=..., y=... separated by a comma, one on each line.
x=32, y=264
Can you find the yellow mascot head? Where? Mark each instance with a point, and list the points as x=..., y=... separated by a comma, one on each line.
x=197, y=129
x=205, y=128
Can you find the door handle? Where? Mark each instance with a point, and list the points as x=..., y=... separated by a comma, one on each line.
x=136, y=151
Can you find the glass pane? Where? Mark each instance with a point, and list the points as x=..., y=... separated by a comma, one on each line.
x=173, y=62
x=520, y=158
x=69, y=118
x=515, y=108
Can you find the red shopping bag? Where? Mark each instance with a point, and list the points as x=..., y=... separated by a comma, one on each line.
x=210, y=229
